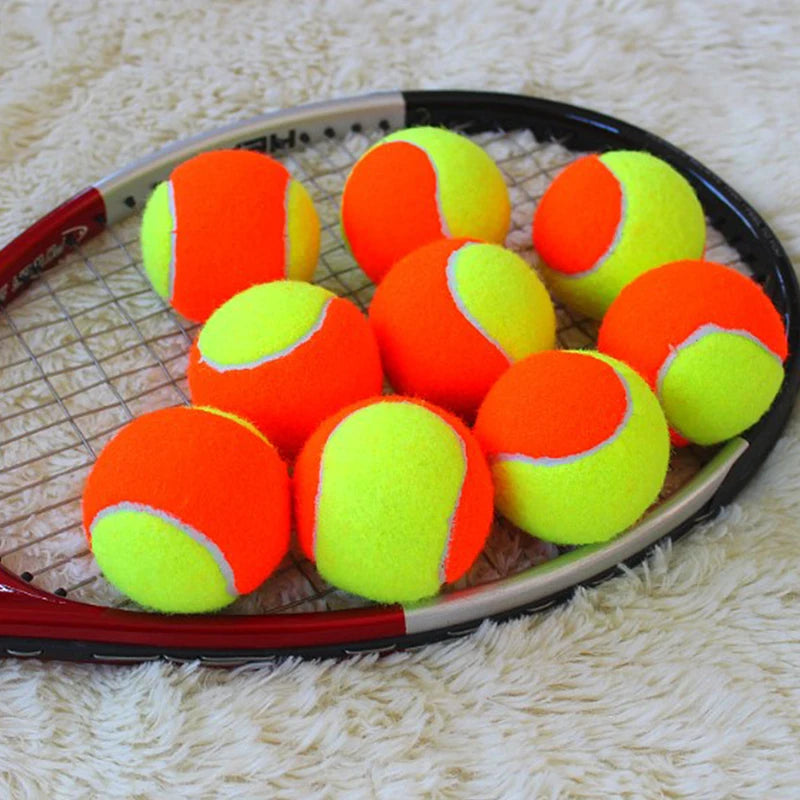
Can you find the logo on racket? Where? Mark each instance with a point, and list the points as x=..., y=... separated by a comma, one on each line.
x=70, y=237
x=270, y=143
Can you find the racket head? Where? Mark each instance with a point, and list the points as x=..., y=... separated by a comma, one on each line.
x=43, y=624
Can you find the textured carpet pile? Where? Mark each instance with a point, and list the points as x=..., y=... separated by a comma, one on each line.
x=679, y=679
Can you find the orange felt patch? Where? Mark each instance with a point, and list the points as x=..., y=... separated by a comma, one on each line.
x=230, y=215
x=288, y=397
x=468, y=534
x=578, y=216
x=427, y=347
x=208, y=471
x=663, y=307
x=389, y=206
x=552, y=404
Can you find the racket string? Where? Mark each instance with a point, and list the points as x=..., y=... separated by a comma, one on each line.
x=133, y=325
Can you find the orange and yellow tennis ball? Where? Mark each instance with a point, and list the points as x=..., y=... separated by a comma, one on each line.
x=285, y=355
x=452, y=316
x=223, y=221
x=608, y=218
x=708, y=341
x=187, y=508
x=577, y=443
x=393, y=498
x=418, y=185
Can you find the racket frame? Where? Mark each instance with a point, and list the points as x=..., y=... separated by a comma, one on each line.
x=34, y=623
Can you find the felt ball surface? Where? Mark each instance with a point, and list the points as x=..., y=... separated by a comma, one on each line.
x=708, y=341
x=393, y=498
x=285, y=355
x=418, y=185
x=577, y=443
x=223, y=221
x=605, y=219
x=187, y=508
x=451, y=316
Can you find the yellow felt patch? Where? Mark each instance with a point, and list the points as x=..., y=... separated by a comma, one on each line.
x=263, y=321
x=157, y=564
x=465, y=173
x=662, y=221
x=718, y=386
x=504, y=298
x=302, y=232
x=390, y=478
x=156, y=239
x=591, y=498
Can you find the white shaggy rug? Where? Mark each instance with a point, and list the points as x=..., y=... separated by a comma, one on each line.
x=681, y=679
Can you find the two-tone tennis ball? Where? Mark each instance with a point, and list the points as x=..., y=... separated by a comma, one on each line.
x=285, y=355
x=608, y=218
x=708, y=341
x=223, y=221
x=451, y=317
x=577, y=443
x=393, y=498
x=418, y=185
x=187, y=508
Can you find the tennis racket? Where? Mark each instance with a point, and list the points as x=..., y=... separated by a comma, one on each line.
x=86, y=345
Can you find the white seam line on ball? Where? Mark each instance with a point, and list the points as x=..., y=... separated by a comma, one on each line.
x=623, y=210
x=173, y=237
x=696, y=336
x=550, y=461
x=451, y=520
x=210, y=547
x=444, y=227
x=271, y=356
x=451, y=286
